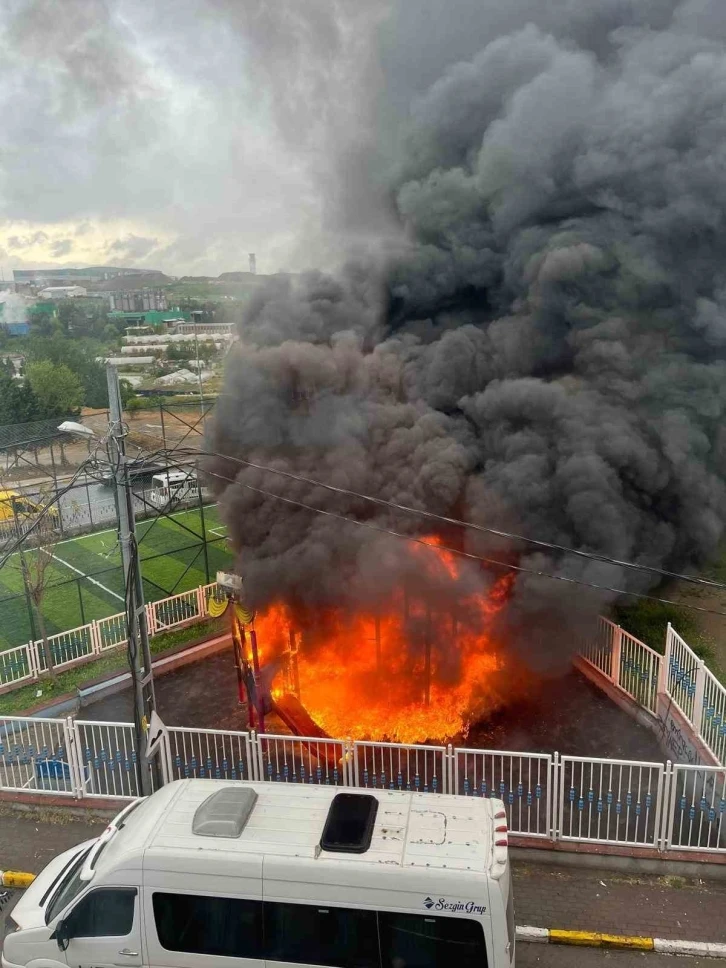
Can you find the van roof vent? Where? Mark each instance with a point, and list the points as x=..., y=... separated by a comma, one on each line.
x=225, y=813
x=349, y=825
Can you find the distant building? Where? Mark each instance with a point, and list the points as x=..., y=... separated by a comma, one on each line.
x=63, y=292
x=16, y=329
x=138, y=301
x=66, y=277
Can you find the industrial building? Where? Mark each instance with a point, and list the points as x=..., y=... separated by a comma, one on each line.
x=63, y=292
x=137, y=300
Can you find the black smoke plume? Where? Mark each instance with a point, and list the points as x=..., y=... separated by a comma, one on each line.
x=539, y=346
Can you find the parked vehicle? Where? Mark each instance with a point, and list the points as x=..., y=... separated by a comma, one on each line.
x=173, y=486
x=19, y=513
x=256, y=874
x=137, y=468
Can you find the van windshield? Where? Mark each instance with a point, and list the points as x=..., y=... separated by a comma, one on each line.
x=69, y=887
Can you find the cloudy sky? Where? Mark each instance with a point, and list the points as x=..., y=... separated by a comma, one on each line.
x=176, y=134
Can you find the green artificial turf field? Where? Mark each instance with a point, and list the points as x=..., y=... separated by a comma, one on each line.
x=85, y=580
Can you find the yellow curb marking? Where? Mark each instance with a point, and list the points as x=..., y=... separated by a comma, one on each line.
x=594, y=939
x=19, y=879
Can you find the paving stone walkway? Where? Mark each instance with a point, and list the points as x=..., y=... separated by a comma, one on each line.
x=662, y=907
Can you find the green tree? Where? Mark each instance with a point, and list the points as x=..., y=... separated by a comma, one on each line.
x=18, y=403
x=43, y=320
x=81, y=357
x=57, y=389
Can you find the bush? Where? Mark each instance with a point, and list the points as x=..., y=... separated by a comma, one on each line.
x=648, y=621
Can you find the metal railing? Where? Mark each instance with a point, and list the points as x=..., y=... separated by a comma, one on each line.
x=598, y=649
x=610, y=801
x=16, y=665
x=639, y=670
x=25, y=663
x=681, y=673
x=107, y=755
x=678, y=677
x=215, y=754
x=697, y=815
x=295, y=759
x=522, y=780
x=614, y=803
x=38, y=755
x=713, y=717
x=391, y=766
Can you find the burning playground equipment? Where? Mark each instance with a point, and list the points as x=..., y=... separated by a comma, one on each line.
x=407, y=670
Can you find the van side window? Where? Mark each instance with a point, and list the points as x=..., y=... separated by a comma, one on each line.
x=420, y=941
x=204, y=925
x=106, y=913
x=308, y=934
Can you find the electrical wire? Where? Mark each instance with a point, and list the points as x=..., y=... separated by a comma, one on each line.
x=464, y=554
x=382, y=502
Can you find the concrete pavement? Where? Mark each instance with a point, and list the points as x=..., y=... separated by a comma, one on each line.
x=553, y=956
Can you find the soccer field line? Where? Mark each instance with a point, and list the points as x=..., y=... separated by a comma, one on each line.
x=88, y=577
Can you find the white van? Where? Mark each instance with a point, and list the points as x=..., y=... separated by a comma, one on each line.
x=231, y=874
x=173, y=486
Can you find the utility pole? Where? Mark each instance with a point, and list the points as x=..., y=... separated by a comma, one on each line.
x=138, y=633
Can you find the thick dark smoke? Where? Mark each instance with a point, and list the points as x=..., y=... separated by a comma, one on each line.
x=543, y=349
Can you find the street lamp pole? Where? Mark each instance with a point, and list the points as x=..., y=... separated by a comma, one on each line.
x=138, y=633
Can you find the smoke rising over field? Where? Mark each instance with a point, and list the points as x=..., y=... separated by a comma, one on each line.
x=538, y=340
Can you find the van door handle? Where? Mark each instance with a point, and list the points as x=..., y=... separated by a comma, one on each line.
x=129, y=953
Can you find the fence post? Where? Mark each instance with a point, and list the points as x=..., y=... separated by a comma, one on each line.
x=449, y=764
x=95, y=638
x=201, y=602
x=348, y=762
x=615, y=658
x=164, y=755
x=34, y=658
x=151, y=618
x=75, y=759
x=254, y=754
x=665, y=663
x=699, y=696
x=555, y=797
x=668, y=806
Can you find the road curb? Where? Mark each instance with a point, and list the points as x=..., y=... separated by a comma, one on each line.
x=597, y=939
x=18, y=879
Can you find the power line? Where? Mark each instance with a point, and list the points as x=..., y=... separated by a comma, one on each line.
x=440, y=518
x=465, y=554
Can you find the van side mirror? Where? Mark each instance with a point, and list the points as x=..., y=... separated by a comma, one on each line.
x=62, y=934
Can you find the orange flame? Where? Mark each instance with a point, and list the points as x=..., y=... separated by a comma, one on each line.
x=368, y=677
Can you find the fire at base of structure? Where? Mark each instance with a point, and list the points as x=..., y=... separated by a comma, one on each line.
x=407, y=674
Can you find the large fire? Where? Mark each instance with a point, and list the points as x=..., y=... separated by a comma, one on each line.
x=409, y=674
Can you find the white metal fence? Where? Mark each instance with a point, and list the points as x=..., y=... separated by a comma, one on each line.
x=616, y=803
x=610, y=801
x=26, y=662
x=522, y=780
x=678, y=676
